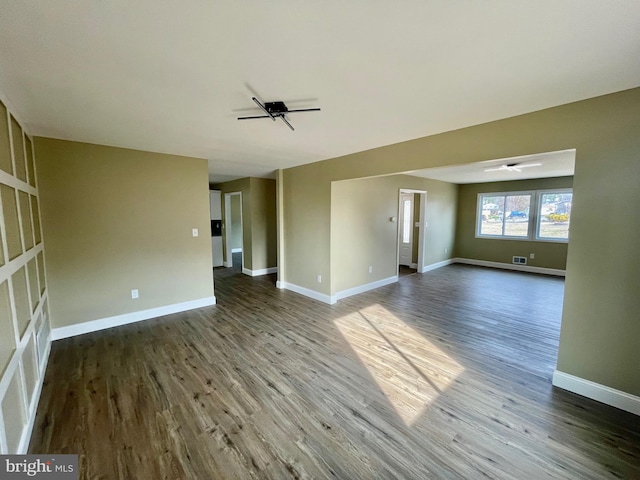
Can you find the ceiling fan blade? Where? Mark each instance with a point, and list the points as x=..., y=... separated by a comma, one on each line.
x=513, y=167
x=251, y=118
x=288, y=124
x=529, y=165
x=263, y=108
x=304, y=110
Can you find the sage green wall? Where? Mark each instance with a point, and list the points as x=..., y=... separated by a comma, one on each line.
x=600, y=335
x=363, y=235
x=263, y=219
x=236, y=222
x=600, y=328
x=547, y=254
x=116, y=220
x=307, y=226
x=259, y=220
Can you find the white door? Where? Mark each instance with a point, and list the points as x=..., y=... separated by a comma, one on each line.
x=406, y=229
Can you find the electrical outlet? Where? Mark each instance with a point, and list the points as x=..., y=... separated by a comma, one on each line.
x=532, y=256
x=194, y=232
x=370, y=268
x=134, y=293
x=319, y=278
x=446, y=250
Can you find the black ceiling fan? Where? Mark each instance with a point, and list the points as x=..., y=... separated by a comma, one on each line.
x=275, y=110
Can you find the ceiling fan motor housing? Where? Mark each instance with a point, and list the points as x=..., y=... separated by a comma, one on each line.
x=275, y=108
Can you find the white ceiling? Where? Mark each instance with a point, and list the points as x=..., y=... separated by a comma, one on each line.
x=172, y=76
x=551, y=164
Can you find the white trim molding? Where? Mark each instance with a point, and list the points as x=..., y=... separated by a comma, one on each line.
x=25, y=439
x=365, y=288
x=434, y=266
x=261, y=271
x=307, y=292
x=595, y=391
x=509, y=266
x=236, y=250
x=124, y=319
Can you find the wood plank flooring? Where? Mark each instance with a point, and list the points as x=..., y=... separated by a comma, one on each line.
x=446, y=374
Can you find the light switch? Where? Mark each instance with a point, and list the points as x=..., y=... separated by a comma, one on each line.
x=194, y=232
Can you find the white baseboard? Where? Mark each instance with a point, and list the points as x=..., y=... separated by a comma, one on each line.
x=365, y=288
x=116, y=321
x=261, y=271
x=595, y=391
x=236, y=250
x=414, y=265
x=227, y=264
x=509, y=266
x=307, y=292
x=434, y=266
x=25, y=439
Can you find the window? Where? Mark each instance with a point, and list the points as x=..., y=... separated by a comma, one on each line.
x=540, y=215
x=504, y=215
x=407, y=217
x=554, y=214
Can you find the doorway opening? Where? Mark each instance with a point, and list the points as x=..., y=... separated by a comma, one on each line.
x=234, y=242
x=411, y=225
x=215, y=208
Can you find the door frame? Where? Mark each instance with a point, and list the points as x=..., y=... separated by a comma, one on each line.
x=421, y=228
x=405, y=250
x=228, y=259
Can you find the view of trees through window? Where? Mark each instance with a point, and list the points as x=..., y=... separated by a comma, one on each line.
x=555, y=213
x=505, y=215
x=513, y=215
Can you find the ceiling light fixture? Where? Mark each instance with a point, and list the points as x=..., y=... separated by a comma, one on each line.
x=275, y=110
x=512, y=167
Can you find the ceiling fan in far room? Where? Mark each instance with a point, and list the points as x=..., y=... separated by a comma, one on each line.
x=276, y=110
x=512, y=167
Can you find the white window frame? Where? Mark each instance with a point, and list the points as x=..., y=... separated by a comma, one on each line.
x=532, y=196
x=533, y=227
x=539, y=194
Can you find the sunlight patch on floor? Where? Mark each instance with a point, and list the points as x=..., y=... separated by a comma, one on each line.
x=409, y=369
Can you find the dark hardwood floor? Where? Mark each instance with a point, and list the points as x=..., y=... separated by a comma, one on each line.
x=403, y=270
x=446, y=374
